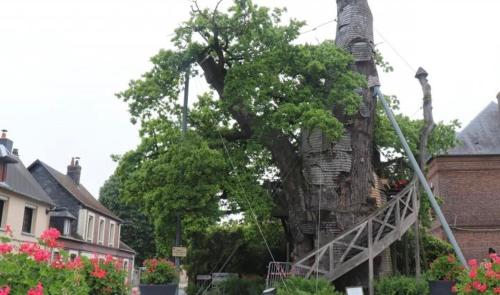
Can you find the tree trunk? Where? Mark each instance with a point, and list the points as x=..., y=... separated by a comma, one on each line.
x=340, y=175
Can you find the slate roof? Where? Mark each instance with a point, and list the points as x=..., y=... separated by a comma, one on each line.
x=19, y=180
x=482, y=135
x=77, y=191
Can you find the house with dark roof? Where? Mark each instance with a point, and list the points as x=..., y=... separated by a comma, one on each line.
x=467, y=178
x=24, y=205
x=88, y=228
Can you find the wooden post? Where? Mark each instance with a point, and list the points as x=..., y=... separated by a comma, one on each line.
x=417, y=235
x=371, y=290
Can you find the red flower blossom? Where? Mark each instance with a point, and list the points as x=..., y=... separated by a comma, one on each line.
x=496, y=290
x=98, y=273
x=36, y=291
x=8, y=230
x=75, y=264
x=41, y=255
x=473, y=273
x=5, y=290
x=5, y=248
x=473, y=263
x=49, y=237
x=29, y=248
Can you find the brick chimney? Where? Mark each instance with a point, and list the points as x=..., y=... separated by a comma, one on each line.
x=6, y=157
x=7, y=143
x=74, y=170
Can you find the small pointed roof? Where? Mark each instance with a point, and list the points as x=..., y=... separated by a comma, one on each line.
x=482, y=135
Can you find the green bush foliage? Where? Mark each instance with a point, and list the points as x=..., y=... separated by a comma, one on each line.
x=444, y=268
x=302, y=286
x=401, y=286
x=238, y=286
x=158, y=272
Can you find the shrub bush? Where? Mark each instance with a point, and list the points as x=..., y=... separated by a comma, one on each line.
x=158, y=272
x=105, y=277
x=238, y=286
x=302, y=286
x=27, y=268
x=483, y=278
x=401, y=286
x=444, y=268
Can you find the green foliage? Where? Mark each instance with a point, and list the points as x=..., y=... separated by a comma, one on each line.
x=401, y=286
x=158, y=272
x=238, y=286
x=441, y=139
x=431, y=248
x=435, y=247
x=137, y=231
x=302, y=286
x=444, y=268
x=212, y=249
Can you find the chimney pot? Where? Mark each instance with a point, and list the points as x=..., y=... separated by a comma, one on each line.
x=15, y=152
x=5, y=141
x=74, y=170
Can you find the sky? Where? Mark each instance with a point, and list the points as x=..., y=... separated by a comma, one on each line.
x=63, y=61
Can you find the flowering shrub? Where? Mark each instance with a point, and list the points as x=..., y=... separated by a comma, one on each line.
x=158, y=272
x=26, y=269
x=445, y=268
x=105, y=277
x=483, y=278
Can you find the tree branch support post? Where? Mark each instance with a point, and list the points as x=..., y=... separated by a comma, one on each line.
x=373, y=82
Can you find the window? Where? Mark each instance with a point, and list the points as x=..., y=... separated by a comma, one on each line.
x=67, y=227
x=125, y=265
x=3, y=210
x=29, y=219
x=100, y=234
x=90, y=228
x=111, y=240
x=72, y=256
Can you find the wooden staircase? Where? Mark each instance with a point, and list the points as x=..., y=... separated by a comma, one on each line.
x=363, y=242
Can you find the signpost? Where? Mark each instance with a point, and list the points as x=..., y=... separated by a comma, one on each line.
x=179, y=251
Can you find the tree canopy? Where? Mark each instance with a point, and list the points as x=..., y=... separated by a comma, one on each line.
x=244, y=135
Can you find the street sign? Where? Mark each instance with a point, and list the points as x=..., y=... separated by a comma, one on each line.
x=179, y=251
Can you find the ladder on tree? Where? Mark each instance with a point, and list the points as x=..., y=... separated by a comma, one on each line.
x=361, y=243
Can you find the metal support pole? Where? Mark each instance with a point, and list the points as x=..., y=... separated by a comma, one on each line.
x=178, y=226
x=421, y=177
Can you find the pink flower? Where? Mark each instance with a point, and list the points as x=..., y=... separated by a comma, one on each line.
x=496, y=290
x=29, y=248
x=5, y=290
x=473, y=274
x=36, y=291
x=49, y=237
x=8, y=230
x=41, y=255
x=75, y=264
x=473, y=263
x=5, y=248
x=98, y=273
x=109, y=259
